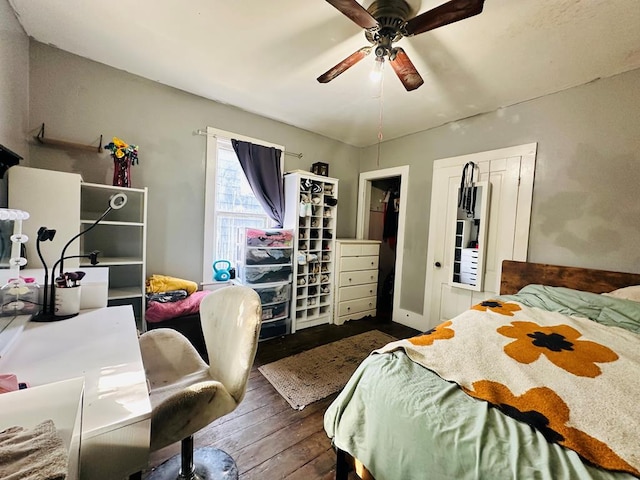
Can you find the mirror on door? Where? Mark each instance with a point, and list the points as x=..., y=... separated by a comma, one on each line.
x=469, y=246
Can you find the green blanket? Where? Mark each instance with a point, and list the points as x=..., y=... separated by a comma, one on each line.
x=404, y=422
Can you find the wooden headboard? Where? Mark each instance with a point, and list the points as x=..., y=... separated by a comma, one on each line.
x=516, y=275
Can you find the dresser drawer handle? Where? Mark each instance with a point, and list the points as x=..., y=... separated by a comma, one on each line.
x=370, y=304
x=349, y=279
x=348, y=308
x=370, y=291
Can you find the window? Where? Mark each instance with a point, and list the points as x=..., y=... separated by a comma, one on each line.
x=230, y=205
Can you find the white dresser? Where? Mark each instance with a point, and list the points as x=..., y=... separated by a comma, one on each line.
x=356, y=286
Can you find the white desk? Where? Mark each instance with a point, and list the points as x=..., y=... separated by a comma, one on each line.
x=25, y=408
x=102, y=347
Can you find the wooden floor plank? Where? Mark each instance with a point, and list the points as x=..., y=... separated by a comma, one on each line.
x=320, y=467
x=297, y=456
x=277, y=443
x=243, y=437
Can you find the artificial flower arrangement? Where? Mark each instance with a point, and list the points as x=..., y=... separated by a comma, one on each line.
x=124, y=155
x=120, y=149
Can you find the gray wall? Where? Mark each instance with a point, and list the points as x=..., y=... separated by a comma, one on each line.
x=78, y=100
x=585, y=211
x=14, y=87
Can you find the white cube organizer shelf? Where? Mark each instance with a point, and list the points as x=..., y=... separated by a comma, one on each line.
x=311, y=210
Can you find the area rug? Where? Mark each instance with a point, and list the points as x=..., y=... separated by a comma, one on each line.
x=317, y=373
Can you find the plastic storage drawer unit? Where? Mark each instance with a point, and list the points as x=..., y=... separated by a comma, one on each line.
x=255, y=275
x=275, y=311
x=269, y=238
x=267, y=256
x=273, y=293
x=275, y=329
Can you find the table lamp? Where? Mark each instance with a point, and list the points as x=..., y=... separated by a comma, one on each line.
x=48, y=314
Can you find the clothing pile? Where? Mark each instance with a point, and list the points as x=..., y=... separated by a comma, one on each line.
x=171, y=297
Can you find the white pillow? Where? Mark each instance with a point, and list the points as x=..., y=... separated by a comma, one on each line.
x=627, y=293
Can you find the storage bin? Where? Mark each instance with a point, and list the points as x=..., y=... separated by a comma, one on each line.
x=267, y=256
x=275, y=329
x=251, y=275
x=275, y=311
x=274, y=293
x=268, y=238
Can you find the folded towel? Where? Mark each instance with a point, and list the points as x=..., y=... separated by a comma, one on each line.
x=33, y=454
x=164, y=283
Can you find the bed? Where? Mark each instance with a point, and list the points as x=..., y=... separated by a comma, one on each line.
x=397, y=420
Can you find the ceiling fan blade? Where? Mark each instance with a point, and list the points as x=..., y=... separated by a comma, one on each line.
x=445, y=14
x=405, y=70
x=348, y=62
x=356, y=13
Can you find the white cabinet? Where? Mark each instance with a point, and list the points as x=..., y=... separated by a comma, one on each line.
x=121, y=239
x=52, y=200
x=61, y=201
x=356, y=279
x=310, y=210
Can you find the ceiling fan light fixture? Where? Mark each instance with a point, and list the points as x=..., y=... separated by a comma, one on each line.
x=378, y=69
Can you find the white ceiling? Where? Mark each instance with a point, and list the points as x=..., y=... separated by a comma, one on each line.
x=264, y=56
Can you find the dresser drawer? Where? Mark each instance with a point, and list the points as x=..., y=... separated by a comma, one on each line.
x=357, y=250
x=355, y=306
x=359, y=291
x=358, y=278
x=359, y=263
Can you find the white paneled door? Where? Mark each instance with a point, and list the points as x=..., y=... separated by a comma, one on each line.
x=510, y=172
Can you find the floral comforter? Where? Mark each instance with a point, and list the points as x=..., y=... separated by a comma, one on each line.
x=571, y=378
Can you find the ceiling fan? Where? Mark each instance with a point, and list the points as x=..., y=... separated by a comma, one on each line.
x=387, y=21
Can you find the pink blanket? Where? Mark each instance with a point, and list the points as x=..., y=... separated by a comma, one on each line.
x=157, y=312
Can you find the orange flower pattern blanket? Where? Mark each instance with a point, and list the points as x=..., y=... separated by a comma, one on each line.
x=573, y=379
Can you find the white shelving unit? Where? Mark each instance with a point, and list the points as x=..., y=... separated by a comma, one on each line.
x=311, y=211
x=62, y=201
x=121, y=239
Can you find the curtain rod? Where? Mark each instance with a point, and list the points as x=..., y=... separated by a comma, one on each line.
x=204, y=132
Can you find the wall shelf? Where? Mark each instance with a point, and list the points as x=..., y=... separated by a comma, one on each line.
x=42, y=140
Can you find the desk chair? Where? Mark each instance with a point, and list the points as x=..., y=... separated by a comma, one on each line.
x=187, y=394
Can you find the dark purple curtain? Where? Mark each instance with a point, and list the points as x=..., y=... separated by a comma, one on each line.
x=261, y=166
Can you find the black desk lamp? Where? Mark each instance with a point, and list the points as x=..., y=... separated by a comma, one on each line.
x=44, y=234
x=116, y=202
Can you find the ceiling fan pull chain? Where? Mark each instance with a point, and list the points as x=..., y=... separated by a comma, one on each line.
x=380, y=121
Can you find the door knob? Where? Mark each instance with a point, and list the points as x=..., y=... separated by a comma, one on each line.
x=438, y=264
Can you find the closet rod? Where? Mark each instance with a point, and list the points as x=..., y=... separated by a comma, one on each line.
x=204, y=133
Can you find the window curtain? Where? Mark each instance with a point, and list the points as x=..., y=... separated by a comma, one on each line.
x=261, y=165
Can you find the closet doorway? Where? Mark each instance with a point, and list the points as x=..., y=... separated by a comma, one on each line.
x=381, y=216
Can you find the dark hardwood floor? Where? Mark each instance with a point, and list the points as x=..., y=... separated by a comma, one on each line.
x=266, y=437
